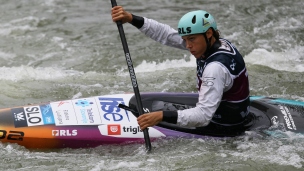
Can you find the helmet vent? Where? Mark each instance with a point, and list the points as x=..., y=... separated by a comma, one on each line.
x=206, y=15
x=194, y=19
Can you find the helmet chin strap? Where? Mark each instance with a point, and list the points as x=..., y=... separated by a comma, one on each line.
x=208, y=42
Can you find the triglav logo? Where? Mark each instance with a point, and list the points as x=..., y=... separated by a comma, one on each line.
x=133, y=130
x=114, y=129
x=64, y=133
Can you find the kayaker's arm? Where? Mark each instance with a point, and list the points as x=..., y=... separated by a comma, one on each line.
x=215, y=79
x=170, y=116
x=137, y=21
x=209, y=100
x=159, y=32
x=150, y=119
x=162, y=33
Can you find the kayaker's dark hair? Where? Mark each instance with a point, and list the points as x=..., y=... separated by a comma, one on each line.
x=216, y=34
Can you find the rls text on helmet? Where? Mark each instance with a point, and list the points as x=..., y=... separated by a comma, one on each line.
x=183, y=31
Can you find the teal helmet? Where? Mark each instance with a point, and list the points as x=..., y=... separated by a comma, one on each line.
x=196, y=22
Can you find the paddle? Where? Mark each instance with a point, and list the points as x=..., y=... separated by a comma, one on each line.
x=132, y=76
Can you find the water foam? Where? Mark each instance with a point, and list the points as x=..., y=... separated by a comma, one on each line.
x=281, y=151
x=291, y=60
x=21, y=24
x=30, y=73
x=167, y=64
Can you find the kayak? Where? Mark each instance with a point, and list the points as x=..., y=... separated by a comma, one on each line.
x=111, y=119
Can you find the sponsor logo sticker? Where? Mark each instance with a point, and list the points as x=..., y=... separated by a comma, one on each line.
x=288, y=118
x=33, y=115
x=83, y=103
x=86, y=111
x=274, y=120
x=127, y=131
x=131, y=129
x=19, y=117
x=110, y=110
x=64, y=133
x=47, y=114
x=114, y=129
x=64, y=113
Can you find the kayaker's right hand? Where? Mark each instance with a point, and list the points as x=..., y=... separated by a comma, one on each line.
x=119, y=14
x=149, y=119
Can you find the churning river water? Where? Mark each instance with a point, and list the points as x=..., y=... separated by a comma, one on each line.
x=56, y=50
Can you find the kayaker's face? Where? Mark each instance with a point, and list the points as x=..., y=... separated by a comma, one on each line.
x=196, y=44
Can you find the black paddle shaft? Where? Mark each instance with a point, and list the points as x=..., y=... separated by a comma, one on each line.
x=132, y=76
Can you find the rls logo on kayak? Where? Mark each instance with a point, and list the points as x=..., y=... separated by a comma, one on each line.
x=64, y=133
x=114, y=129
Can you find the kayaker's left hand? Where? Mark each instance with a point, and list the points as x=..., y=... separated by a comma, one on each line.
x=119, y=14
x=149, y=119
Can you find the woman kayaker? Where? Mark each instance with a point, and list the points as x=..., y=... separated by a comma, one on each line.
x=222, y=78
